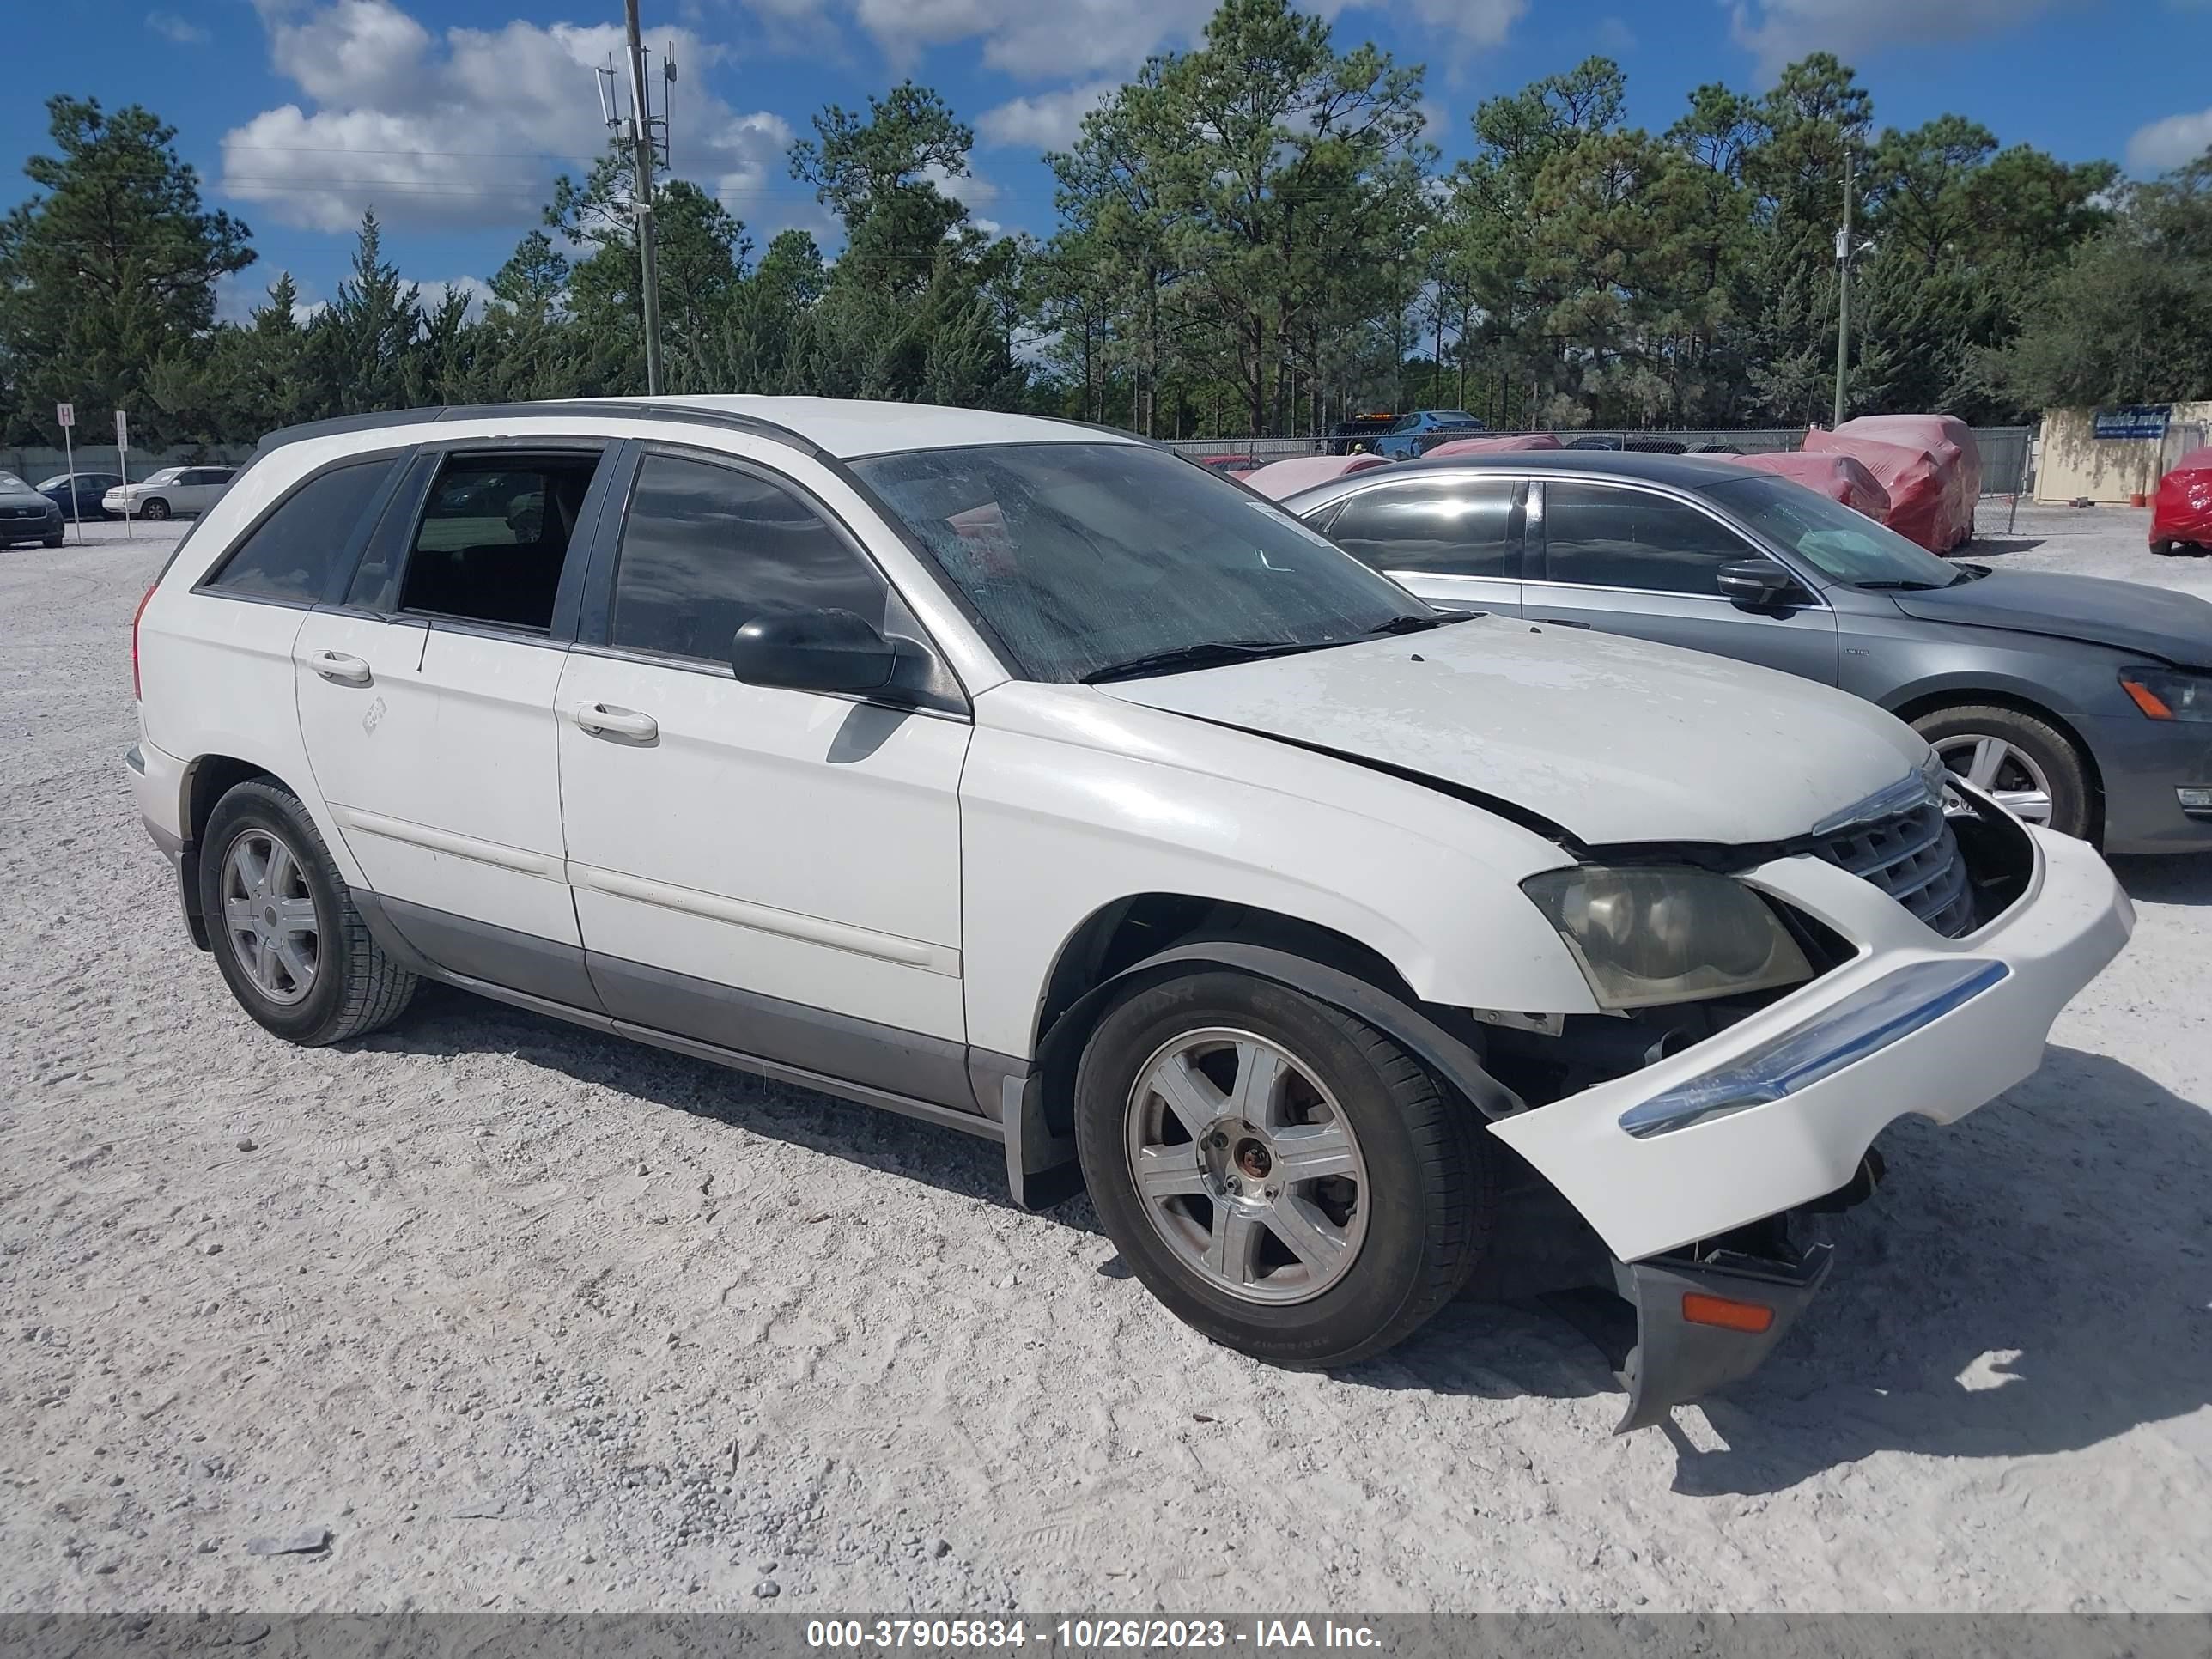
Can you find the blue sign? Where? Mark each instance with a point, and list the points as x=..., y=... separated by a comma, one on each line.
x=2137, y=420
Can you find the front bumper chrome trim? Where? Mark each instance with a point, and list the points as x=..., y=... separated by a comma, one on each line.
x=1890, y=1009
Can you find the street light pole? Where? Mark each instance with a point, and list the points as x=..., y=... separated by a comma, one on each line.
x=642, y=150
x=1843, y=289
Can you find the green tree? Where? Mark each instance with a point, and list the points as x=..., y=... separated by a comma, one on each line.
x=112, y=264
x=361, y=343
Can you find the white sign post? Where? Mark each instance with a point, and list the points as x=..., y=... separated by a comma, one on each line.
x=123, y=466
x=65, y=418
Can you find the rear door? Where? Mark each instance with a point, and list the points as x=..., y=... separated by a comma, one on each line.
x=426, y=702
x=1452, y=539
x=1627, y=559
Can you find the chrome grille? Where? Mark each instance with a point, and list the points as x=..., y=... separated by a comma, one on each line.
x=1914, y=857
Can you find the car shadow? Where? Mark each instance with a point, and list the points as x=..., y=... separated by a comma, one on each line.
x=2032, y=1279
x=447, y=1021
x=2173, y=878
x=1996, y=547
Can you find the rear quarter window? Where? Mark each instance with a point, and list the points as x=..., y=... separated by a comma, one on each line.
x=292, y=553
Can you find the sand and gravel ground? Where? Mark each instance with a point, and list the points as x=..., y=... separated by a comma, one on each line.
x=522, y=1316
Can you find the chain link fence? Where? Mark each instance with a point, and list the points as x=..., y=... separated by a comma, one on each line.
x=2005, y=449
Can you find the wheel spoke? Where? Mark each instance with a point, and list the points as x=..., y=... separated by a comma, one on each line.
x=298, y=962
x=1312, y=1236
x=253, y=870
x=1990, y=755
x=240, y=914
x=2033, y=804
x=1233, y=1248
x=278, y=874
x=1260, y=1074
x=264, y=963
x=1308, y=1151
x=1188, y=1092
x=295, y=915
x=1165, y=1172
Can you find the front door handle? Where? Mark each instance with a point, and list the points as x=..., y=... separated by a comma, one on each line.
x=1562, y=621
x=602, y=720
x=339, y=669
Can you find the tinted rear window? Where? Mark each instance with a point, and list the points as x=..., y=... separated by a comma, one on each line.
x=291, y=553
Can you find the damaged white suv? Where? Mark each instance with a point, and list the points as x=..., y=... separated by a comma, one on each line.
x=1034, y=782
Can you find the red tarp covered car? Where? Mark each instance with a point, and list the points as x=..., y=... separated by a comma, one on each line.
x=1929, y=464
x=1493, y=444
x=1839, y=477
x=1279, y=478
x=2181, y=512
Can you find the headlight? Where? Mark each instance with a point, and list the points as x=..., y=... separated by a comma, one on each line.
x=1666, y=933
x=2169, y=694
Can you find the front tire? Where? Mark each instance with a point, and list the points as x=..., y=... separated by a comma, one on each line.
x=283, y=927
x=155, y=510
x=1285, y=1178
x=2030, y=767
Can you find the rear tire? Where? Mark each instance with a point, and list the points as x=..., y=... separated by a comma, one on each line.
x=1304, y=1270
x=2031, y=767
x=283, y=926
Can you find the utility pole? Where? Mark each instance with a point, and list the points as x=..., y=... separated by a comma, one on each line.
x=641, y=133
x=1843, y=252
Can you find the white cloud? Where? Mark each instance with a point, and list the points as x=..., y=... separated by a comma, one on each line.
x=434, y=292
x=1050, y=120
x=2170, y=142
x=1777, y=32
x=464, y=129
x=971, y=189
x=177, y=31
x=1465, y=23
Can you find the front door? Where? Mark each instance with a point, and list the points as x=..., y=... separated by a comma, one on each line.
x=426, y=702
x=1627, y=560
x=771, y=871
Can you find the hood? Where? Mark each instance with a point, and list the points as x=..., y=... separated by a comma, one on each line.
x=1611, y=739
x=11, y=496
x=2175, y=628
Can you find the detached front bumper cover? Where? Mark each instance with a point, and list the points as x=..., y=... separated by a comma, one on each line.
x=1680, y=1354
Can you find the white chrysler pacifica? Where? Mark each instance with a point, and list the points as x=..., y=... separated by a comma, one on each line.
x=1029, y=780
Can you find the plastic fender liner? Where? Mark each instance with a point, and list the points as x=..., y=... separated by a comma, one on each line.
x=1677, y=1360
x=1037, y=1137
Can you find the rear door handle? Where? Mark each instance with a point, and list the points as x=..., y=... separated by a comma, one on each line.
x=601, y=720
x=338, y=668
x=1562, y=621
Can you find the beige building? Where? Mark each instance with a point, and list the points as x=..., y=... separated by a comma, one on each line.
x=2071, y=463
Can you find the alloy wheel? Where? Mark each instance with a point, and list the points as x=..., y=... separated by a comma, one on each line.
x=2001, y=769
x=1245, y=1166
x=269, y=915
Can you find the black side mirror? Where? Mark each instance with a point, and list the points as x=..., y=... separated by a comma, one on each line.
x=1756, y=581
x=811, y=649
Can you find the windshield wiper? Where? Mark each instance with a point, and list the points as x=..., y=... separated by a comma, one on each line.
x=1421, y=624
x=1208, y=653
x=1894, y=585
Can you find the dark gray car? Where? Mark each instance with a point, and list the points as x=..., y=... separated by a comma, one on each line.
x=2079, y=702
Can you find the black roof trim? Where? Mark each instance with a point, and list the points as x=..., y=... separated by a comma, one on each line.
x=605, y=408
x=1653, y=466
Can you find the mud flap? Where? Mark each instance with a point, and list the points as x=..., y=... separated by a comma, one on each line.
x=1679, y=1358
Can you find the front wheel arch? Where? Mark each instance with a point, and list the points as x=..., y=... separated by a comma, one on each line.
x=1917, y=708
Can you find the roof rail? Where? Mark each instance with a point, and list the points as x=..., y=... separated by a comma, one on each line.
x=607, y=408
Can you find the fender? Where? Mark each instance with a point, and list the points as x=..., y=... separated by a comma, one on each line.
x=1037, y=1110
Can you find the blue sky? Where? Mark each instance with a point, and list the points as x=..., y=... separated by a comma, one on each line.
x=451, y=117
